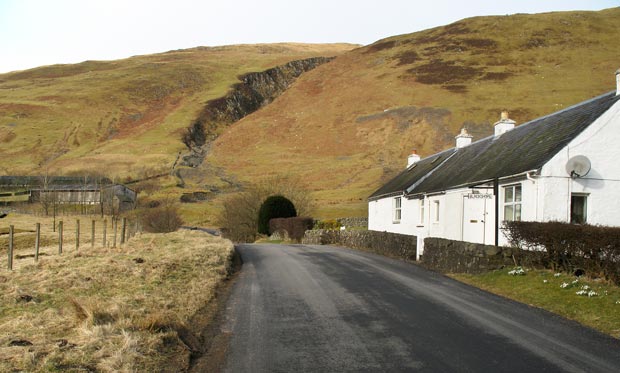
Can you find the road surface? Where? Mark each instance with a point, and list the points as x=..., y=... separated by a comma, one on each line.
x=325, y=309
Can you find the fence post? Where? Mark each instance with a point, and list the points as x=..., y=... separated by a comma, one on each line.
x=77, y=234
x=123, y=230
x=11, y=232
x=115, y=223
x=37, y=241
x=60, y=237
x=105, y=229
x=92, y=235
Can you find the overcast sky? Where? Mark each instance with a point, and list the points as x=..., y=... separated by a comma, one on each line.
x=44, y=32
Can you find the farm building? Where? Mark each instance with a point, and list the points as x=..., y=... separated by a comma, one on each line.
x=66, y=190
x=560, y=167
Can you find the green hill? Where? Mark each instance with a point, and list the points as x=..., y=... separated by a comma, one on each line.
x=341, y=129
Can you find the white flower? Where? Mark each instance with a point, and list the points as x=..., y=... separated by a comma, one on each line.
x=557, y=274
x=517, y=272
x=564, y=285
x=545, y=281
x=575, y=281
x=618, y=302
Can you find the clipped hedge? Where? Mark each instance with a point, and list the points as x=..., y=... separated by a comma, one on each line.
x=295, y=227
x=569, y=247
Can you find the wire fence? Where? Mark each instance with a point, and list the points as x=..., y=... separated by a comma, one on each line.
x=76, y=236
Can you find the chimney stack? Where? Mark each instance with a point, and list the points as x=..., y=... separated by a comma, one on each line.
x=504, y=125
x=617, y=82
x=413, y=158
x=463, y=139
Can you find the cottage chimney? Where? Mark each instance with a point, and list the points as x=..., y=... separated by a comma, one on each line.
x=463, y=139
x=617, y=82
x=504, y=125
x=413, y=158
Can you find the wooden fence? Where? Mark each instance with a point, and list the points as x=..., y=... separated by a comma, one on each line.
x=128, y=229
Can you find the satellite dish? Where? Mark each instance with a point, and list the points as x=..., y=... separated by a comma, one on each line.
x=578, y=166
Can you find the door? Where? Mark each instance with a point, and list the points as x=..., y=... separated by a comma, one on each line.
x=475, y=216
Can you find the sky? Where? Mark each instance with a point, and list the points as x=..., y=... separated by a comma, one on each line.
x=44, y=32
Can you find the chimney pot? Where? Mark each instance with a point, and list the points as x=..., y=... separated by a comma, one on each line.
x=413, y=158
x=504, y=125
x=463, y=139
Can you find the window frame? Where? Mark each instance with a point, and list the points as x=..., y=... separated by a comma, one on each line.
x=436, y=216
x=422, y=212
x=397, y=208
x=585, y=207
x=513, y=203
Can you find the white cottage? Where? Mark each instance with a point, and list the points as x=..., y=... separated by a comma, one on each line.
x=561, y=167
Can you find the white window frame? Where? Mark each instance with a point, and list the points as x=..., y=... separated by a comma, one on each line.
x=397, y=205
x=517, y=205
x=422, y=212
x=437, y=206
x=585, y=207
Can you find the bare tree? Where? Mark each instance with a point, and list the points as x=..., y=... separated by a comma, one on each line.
x=239, y=216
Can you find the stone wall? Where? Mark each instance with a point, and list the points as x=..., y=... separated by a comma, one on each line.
x=384, y=243
x=357, y=222
x=450, y=256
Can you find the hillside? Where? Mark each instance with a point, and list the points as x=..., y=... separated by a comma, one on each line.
x=125, y=117
x=341, y=129
x=347, y=126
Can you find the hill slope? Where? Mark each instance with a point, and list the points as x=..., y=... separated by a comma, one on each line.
x=342, y=129
x=347, y=126
x=124, y=116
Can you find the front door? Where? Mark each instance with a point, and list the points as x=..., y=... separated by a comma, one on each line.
x=476, y=217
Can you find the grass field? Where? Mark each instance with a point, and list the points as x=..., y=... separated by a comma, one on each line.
x=103, y=309
x=545, y=290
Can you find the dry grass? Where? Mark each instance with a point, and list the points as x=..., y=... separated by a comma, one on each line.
x=109, y=309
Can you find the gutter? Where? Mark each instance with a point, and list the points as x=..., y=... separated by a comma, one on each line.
x=527, y=174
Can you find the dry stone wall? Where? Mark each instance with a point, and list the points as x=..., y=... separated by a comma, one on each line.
x=384, y=243
x=448, y=256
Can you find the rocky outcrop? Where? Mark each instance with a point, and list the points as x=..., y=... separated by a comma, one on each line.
x=255, y=91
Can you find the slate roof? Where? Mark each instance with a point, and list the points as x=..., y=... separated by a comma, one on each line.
x=525, y=148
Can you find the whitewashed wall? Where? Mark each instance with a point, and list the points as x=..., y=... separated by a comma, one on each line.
x=600, y=142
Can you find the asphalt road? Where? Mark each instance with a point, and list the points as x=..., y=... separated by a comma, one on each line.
x=325, y=309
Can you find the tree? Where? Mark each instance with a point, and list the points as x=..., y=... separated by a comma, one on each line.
x=239, y=215
x=274, y=207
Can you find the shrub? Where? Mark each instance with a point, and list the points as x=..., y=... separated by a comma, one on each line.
x=162, y=219
x=295, y=227
x=327, y=224
x=274, y=207
x=238, y=218
x=570, y=247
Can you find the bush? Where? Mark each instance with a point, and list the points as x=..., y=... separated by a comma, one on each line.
x=162, y=219
x=238, y=218
x=274, y=207
x=295, y=227
x=327, y=224
x=570, y=247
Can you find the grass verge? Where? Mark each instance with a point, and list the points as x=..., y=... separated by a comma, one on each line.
x=110, y=310
x=557, y=293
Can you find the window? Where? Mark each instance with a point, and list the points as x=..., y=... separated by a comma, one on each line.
x=397, y=208
x=421, y=211
x=512, y=203
x=436, y=203
x=578, y=208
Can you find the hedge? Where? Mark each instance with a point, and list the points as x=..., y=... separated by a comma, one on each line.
x=570, y=247
x=294, y=227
